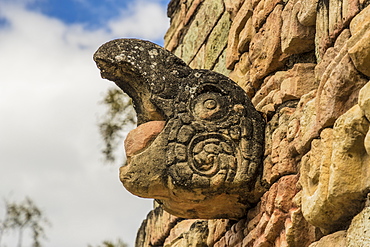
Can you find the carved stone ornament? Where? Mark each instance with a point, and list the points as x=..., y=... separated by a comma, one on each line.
x=199, y=145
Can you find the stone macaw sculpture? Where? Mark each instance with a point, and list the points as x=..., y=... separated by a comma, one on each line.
x=202, y=139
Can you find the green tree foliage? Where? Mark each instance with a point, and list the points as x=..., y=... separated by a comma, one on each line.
x=21, y=216
x=118, y=243
x=119, y=114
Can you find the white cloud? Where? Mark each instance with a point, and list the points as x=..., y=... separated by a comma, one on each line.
x=49, y=89
x=132, y=23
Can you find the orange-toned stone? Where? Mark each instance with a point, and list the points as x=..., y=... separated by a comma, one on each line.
x=295, y=38
x=139, y=138
x=265, y=48
x=232, y=53
x=287, y=189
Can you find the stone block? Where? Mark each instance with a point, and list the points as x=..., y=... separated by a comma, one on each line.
x=199, y=59
x=282, y=151
x=262, y=11
x=235, y=238
x=233, y=6
x=217, y=229
x=240, y=73
x=334, y=174
x=265, y=48
x=337, y=239
x=307, y=12
x=286, y=191
x=220, y=66
x=171, y=37
x=246, y=36
x=295, y=37
x=337, y=93
x=322, y=41
x=221, y=243
x=350, y=8
x=358, y=231
x=217, y=41
x=359, y=43
x=232, y=55
x=303, y=122
x=200, y=27
x=364, y=100
x=270, y=83
x=335, y=16
x=298, y=232
x=275, y=225
x=158, y=225
x=178, y=231
x=179, y=20
x=299, y=81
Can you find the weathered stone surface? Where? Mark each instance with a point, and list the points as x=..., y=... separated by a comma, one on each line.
x=350, y=8
x=199, y=59
x=307, y=12
x=189, y=233
x=206, y=162
x=155, y=229
x=298, y=232
x=333, y=16
x=336, y=93
x=280, y=153
x=275, y=221
x=263, y=10
x=300, y=81
x=200, y=27
x=332, y=193
x=217, y=41
x=233, y=6
x=337, y=239
x=284, y=86
x=265, y=49
x=295, y=37
x=358, y=44
x=356, y=235
x=177, y=13
x=364, y=100
x=220, y=64
x=246, y=36
x=270, y=83
x=178, y=232
x=232, y=53
x=240, y=74
x=217, y=229
x=358, y=231
x=178, y=23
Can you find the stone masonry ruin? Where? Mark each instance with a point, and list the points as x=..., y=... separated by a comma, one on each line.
x=305, y=66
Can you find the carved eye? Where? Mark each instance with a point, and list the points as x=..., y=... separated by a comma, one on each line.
x=210, y=106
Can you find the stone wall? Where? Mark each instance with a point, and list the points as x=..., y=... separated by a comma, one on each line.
x=306, y=65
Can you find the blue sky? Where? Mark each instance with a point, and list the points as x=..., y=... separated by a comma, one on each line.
x=49, y=94
x=92, y=13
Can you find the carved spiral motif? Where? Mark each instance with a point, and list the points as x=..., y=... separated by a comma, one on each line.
x=211, y=154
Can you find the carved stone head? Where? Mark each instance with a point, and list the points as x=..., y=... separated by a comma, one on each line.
x=199, y=145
